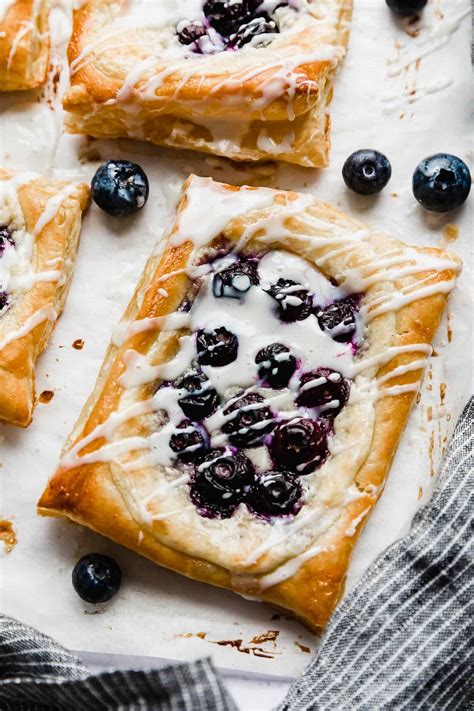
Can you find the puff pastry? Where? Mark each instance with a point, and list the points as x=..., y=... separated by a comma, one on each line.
x=245, y=467
x=40, y=222
x=24, y=44
x=267, y=98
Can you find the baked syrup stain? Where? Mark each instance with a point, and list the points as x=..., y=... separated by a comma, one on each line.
x=252, y=647
x=451, y=232
x=46, y=396
x=8, y=536
x=78, y=344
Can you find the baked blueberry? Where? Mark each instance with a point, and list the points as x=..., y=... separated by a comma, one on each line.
x=295, y=303
x=235, y=280
x=339, y=319
x=5, y=239
x=262, y=25
x=190, y=32
x=275, y=494
x=188, y=443
x=202, y=399
x=321, y=388
x=441, y=182
x=221, y=483
x=3, y=299
x=406, y=8
x=300, y=445
x=218, y=347
x=366, y=171
x=120, y=188
x=96, y=577
x=276, y=365
x=251, y=421
x=226, y=16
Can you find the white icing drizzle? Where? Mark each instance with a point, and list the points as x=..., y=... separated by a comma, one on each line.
x=52, y=207
x=17, y=268
x=5, y=6
x=436, y=36
x=45, y=314
x=394, y=102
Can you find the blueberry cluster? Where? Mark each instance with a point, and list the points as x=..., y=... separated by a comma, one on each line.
x=222, y=479
x=236, y=22
x=440, y=183
x=5, y=240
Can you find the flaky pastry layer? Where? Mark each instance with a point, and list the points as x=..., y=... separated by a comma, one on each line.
x=404, y=292
x=24, y=44
x=48, y=213
x=255, y=104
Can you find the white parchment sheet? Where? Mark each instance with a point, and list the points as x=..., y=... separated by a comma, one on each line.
x=384, y=99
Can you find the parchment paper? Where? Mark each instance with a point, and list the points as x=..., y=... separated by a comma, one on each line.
x=421, y=110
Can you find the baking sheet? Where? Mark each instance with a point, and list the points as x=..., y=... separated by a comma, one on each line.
x=408, y=113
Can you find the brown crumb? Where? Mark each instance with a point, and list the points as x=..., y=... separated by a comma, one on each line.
x=78, y=344
x=442, y=392
x=8, y=536
x=449, y=327
x=201, y=635
x=46, y=396
x=451, y=232
x=269, y=636
x=303, y=647
x=420, y=493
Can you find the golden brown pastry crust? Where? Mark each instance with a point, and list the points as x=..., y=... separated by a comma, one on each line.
x=24, y=45
x=56, y=244
x=89, y=494
x=215, y=109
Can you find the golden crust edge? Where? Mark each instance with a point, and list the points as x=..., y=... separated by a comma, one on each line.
x=324, y=574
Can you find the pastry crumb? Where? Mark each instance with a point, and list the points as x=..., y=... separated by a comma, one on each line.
x=451, y=232
x=46, y=396
x=8, y=536
x=78, y=344
x=269, y=636
x=303, y=647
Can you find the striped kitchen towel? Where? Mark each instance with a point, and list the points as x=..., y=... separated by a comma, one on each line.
x=402, y=640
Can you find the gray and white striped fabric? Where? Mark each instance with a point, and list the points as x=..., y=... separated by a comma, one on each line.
x=400, y=641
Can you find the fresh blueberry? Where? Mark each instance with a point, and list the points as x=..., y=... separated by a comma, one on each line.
x=217, y=348
x=275, y=494
x=235, y=280
x=5, y=238
x=324, y=388
x=276, y=365
x=295, y=303
x=226, y=16
x=259, y=26
x=221, y=482
x=441, y=182
x=189, y=443
x=406, y=8
x=190, y=32
x=3, y=299
x=251, y=422
x=202, y=399
x=339, y=319
x=366, y=171
x=300, y=445
x=120, y=188
x=96, y=577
